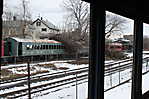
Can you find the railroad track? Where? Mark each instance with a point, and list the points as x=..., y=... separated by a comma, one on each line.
x=57, y=74
x=64, y=81
x=121, y=66
x=34, y=79
x=22, y=81
x=23, y=92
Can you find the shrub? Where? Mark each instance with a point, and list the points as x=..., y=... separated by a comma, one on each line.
x=115, y=55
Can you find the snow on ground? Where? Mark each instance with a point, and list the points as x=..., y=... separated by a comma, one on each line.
x=66, y=92
x=145, y=82
x=69, y=92
x=35, y=67
x=123, y=91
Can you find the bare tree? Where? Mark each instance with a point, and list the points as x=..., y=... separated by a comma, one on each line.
x=114, y=24
x=26, y=15
x=77, y=25
x=19, y=15
x=78, y=17
x=7, y=11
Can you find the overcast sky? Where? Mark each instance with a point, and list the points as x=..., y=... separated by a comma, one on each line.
x=53, y=11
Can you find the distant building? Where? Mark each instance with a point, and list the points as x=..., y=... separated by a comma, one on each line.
x=129, y=37
x=44, y=28
x=37, y=29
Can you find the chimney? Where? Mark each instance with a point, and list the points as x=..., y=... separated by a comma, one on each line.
x=14, y=18
x=41, y=18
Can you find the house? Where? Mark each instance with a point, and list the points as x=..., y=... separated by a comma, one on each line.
x=44, y=28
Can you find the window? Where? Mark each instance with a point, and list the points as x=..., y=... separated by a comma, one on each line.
x=46, y=46
x=50, y=46
x=27, y=47
x=38, y=23
x=44, y=29
x=111, y=47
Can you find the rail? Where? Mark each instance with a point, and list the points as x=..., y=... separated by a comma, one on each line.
x=65, y=77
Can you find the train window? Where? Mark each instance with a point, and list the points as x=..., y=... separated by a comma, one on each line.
x=27, y=47
x=46, y=46
x=49, y=46
x=54, y=46
x=57, y=46
x=31, y=46
x=61, y=47
x=111, y=47
x=118, y=46
x=34, y=47
x=38, y=46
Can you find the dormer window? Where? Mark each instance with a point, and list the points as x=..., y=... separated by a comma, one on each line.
x=38, y=23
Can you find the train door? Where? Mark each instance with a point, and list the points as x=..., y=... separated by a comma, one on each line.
x=20, y=49
x=7, y=47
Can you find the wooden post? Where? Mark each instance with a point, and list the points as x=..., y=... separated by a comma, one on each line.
x=77, y=76
x=146, y=64
x=28, y=80
x=119, y=74
x=137, y=59
x=1, y=12
x=111, y=79
x=97, y=51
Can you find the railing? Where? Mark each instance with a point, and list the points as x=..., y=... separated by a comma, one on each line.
x=115, y=75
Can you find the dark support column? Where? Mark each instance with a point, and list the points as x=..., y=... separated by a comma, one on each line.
x=137, y=60
x=97, y=53
x=28, y=80
x=1, y=12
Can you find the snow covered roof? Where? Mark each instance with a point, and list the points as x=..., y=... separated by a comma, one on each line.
x=47, y=23
x=115, y=43
x=38, y=40
x=121, y=40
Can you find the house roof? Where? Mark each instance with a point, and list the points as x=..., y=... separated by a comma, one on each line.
x=127, y=8
x=47, y=23
x=37, y=41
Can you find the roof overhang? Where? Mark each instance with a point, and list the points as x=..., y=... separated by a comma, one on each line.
x=127, y=8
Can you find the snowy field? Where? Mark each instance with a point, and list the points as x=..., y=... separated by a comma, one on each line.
x=123, y=91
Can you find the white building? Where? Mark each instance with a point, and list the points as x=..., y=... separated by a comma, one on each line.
x=44, y=28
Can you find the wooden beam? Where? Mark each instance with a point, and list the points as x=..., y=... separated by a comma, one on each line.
x=97, y=52
x=1, y=12
x=137, y=59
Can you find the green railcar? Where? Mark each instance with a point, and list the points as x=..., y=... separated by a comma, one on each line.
x=26, y=47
